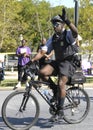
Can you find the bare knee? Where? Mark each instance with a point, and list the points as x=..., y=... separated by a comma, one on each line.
x=47, y=70
x=41, y=74
x=62, y=82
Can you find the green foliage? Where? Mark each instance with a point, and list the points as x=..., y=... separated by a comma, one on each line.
x=8, y=83
x=31, y=18
x=85, y=26
x=12, y=82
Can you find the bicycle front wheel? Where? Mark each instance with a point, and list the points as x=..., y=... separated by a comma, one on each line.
x=20, y=112
x=76, y=106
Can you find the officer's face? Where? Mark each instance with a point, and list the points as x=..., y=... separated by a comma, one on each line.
x=58, y=27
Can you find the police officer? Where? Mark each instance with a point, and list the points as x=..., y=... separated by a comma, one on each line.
x=63, y=43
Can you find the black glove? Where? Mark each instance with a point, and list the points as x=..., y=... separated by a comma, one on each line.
x=29, y=63
x=64, y=17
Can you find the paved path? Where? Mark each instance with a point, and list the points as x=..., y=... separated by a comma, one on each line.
x=43, y=123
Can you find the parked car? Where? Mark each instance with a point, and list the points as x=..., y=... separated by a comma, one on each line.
x=11, y=61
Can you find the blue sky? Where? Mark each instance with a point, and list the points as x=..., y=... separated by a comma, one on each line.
x=67, y=3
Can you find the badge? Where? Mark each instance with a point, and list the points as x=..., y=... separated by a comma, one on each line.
x=61, y=44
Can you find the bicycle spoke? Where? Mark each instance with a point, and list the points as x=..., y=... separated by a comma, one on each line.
x=77, y=109
x=16, y=117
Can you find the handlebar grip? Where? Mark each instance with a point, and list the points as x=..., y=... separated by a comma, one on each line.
x=29, y=63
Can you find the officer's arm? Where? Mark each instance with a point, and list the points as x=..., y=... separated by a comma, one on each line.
x=68, y=23
x=39, y=55
x=73, y=29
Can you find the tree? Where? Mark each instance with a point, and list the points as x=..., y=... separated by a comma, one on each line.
x=32, y=19
x=8, y=25
x=86, y=25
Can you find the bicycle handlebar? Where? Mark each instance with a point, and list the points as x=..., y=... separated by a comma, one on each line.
x=31, y=68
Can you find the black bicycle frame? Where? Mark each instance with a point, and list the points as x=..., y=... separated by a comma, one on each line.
x=37, y=88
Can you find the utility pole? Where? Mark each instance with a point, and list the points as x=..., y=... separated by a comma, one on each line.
x=76, y=16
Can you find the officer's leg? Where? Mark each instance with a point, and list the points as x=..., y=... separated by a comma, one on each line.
x=62, y=85
x=45, y=72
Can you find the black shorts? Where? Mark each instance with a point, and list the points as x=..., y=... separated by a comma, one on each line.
x=65, y=68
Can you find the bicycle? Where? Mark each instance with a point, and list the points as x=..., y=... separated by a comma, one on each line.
x=20, y=110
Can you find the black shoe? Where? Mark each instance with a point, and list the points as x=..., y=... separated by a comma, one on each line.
x=53, y=118
x=60, y=114
x=57, y=117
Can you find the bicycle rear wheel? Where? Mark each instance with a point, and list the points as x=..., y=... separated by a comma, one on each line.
x=16, y=117
x=76, y=106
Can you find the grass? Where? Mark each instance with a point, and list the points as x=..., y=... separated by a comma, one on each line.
x=89, y=80
x=13, y=82
x=8, y=83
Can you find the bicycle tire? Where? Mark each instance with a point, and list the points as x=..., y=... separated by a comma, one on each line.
x=15, y=119
x=76, y=114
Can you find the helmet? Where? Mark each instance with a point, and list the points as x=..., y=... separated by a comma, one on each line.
x=57, y=18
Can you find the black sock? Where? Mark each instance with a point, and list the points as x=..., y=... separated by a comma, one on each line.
x=61, y=102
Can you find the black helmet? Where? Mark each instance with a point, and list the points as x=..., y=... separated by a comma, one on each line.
x=57, y=18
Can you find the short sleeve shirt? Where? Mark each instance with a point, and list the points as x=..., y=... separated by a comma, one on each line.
x=69, y=37
x=23, y=60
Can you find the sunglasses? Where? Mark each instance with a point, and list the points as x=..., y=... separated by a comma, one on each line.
x=56, y=24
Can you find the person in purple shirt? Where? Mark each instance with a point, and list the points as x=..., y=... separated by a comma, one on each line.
x=23, y=52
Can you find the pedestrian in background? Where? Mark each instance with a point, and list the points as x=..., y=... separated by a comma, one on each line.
x=23, y=52
x=2, y=67
x=47, y=57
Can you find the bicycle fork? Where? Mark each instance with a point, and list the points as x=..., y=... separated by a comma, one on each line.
x=24, y=102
